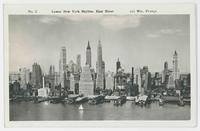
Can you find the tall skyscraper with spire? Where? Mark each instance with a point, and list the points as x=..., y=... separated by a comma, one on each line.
x=62, y=66
x=175, y=66
x=88, y=55
x=100, y=67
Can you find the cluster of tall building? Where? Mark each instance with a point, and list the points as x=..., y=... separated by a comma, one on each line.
x=75, y=78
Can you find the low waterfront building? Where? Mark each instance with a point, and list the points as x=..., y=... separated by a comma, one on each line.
x=43, y=92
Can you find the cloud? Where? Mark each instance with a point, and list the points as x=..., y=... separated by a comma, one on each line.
x=114, y=22
x=81, y=18
x=162, y=32
x=153, y=35
x=120, y=22
x=170, y=31
x=49, y=19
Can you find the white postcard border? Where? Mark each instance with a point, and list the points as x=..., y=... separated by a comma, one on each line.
x=120, y=9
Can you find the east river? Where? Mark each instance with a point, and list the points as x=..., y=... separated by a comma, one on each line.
x=27, y=111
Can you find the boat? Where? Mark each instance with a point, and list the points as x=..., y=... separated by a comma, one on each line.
x=161, y=102
x=71, y=99
x=107, y=101
x=81, y=99
x=96, y=100
x=56, y=100
x=121, y=100
x=81, y=107
x=181, y=103
x=141, y=100
x=41, y=99
x=187, y=101
x=131, y=98
x=170, y=99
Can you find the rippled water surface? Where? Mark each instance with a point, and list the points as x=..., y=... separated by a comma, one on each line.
x=26, y=111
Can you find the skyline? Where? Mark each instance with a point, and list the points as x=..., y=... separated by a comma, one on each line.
x=39, y=35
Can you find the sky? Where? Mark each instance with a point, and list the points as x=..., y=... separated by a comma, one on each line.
x=140, y=40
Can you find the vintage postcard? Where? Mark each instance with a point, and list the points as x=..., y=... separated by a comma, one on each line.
x=100, y=65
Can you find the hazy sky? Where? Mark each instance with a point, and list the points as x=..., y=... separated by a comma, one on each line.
x=136, y=40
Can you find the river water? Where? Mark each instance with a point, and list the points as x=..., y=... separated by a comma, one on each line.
x=27, y=111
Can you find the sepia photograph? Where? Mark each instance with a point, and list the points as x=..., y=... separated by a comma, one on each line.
x=105, y=67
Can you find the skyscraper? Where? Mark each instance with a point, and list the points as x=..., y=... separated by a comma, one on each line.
x=51, y=70
x=118, y=65
x=88, y=55
x=100, y=68
x=171, y=82
x=86, y=84
x=165, y=65
x=62, y=67
x=109, y=80
x=36, y=76
x=78, y=63
x=14, y=76
x=138, y=80
x=146, y=79
x=63, y=59
x=50, y=78
x=165, y=74
x=71, y=67
x=24, y=77
x=175, y=66
x=72, y=83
